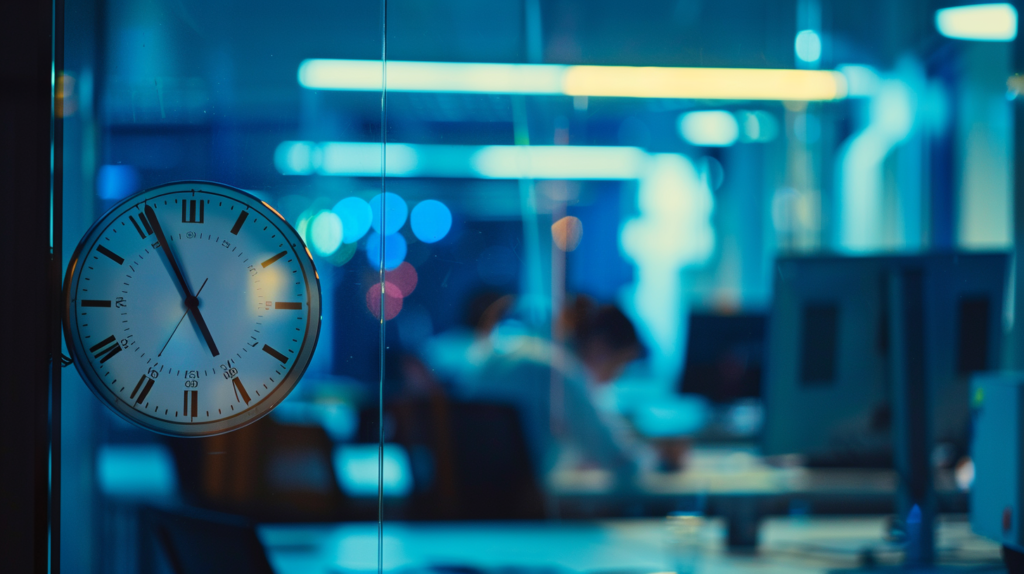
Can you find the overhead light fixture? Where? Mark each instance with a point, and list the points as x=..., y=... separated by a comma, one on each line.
x=553, y=79
x=709, y=128
x=359, y=159
x=981, y=22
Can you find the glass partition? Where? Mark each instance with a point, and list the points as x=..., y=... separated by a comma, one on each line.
x=162, y=91
x=571, y=255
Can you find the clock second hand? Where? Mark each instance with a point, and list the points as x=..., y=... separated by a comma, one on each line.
x=191, y=302
x=180, y=320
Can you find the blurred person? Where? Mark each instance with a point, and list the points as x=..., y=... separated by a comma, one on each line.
x=550, y=384
x=453, y=356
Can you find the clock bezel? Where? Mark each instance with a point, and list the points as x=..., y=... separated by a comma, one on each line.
x=232, y=422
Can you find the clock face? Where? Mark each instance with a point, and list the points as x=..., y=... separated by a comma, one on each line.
x=192, y=308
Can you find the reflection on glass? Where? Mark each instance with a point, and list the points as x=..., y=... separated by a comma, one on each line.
x=568, y=271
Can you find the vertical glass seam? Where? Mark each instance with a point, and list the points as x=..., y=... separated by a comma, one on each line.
x=383, y=257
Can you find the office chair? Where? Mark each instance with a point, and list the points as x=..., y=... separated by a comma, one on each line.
x=267, y=472
x=194, y=542
x=479, y=469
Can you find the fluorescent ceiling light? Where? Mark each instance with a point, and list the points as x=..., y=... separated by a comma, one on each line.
x=711, y=128
x=984, y=22
x=552, y=79
x=357, y=159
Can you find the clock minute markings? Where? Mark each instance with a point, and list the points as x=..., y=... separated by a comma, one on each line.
x=94, y=303
x=238, y=222
x=240, y=389
x=145, y=390
x=194, y=402
x=275, y=353
x=145, y=224
x=106, y=349
x=270, y=261
x=113, y=256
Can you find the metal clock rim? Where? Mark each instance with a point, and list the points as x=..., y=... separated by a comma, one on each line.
x=294, y=374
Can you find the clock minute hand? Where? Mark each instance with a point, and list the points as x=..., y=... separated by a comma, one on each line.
x=191, y=302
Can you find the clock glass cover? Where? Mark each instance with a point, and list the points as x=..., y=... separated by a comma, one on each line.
x=191, y=308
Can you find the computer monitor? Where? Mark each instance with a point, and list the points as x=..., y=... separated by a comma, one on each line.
x=828, y=378
x=724, y=358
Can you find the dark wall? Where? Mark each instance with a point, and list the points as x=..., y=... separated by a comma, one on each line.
x=27, y=286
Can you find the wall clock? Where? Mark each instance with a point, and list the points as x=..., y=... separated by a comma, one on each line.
x=192, y=308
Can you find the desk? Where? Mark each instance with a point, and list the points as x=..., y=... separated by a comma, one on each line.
x=789, y=545
x=739, y=487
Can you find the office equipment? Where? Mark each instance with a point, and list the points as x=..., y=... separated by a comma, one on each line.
x=997, y=494
x=936, y=319
x=829, y=377
x=724, y=356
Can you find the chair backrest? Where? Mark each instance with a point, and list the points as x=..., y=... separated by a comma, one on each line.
x=266, y=471
x=481, y=468
x=191, y=542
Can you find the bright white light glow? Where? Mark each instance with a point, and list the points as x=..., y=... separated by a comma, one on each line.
x=558, y=162
x=325, y=233
x=710, y=128
x=137, y=470
x=984, y=22
x=808, y=46
x=355, y=159
x=860, y=80
x=355, y=465
x=551, y=79
x=757, y=126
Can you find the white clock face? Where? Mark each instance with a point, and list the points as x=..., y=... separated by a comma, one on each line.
x=199, y=334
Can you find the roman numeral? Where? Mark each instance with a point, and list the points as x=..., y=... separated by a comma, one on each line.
x=94, y=303
x=274, y=258
x=145, y=390
x=106, y=349
x=195, y=403
x=275, y=353
x=113, y=256
x=240, y=390
x=238, y=222
x=146, y=229
x=283, y=305
x=188, y=211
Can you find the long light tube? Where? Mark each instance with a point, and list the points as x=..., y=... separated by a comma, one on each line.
x=552, y=79
x=980, y=22
x=358, y=159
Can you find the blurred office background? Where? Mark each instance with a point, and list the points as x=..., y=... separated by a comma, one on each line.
x=539, y=200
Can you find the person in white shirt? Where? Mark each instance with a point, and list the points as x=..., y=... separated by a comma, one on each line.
x=548, y=383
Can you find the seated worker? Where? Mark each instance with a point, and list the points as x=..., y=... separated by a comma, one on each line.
x=548, y=383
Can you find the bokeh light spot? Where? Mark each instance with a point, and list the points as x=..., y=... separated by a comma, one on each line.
x=356, y=217
x=567, y=233
x=325, y=233
x=431, y=220
x=392, y=300
x=343, y=255
x=395, y=212
x=404, y=277
x=394, y=250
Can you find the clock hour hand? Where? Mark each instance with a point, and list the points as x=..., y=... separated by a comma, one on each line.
x=191, y=302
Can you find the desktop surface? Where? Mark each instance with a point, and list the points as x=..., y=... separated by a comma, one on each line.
x=790, y=544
